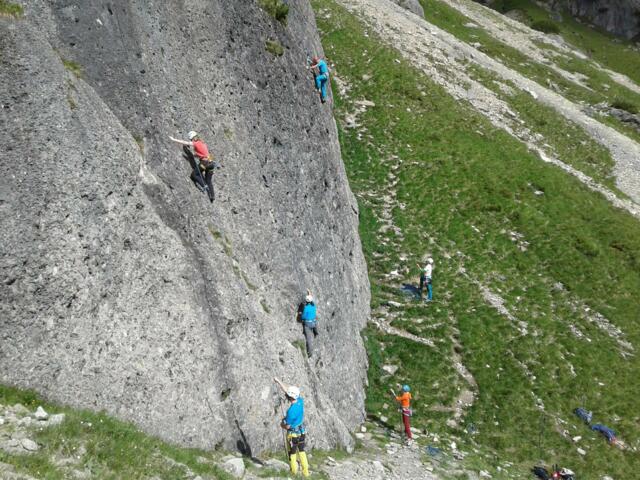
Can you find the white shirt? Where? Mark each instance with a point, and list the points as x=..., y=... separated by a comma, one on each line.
x=428, y=270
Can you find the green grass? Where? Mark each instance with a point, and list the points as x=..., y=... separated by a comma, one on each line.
x=108, y=448
x=545, y=26
x=274, y=47
x=624, y=104
x=465, y=186
x=277, y=9
x=300, y=345
x=599, y=85
x=569, y=142
x=10, y=9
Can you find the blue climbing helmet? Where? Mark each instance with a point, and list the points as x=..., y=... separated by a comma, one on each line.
x=405, y=388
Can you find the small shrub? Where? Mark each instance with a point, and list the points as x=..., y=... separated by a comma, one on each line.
x=265, y=307
x=274, y=47
x=140, y=141
x=300, y=345
x=8, y=9
x=545, y=26
x=622, y=104
x=277, y=9
x=72, y=103
x=73, y=67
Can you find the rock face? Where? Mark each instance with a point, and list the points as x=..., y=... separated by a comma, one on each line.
x=620, y=17
x=411, y=5
x=123, y=288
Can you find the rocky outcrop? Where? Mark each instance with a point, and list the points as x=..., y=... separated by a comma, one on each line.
x=620, y=17
x=412, y=5
x=123, y=288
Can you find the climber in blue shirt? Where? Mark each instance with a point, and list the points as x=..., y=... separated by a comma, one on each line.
x=308, y=315
x=322, y=76
x=293, y=423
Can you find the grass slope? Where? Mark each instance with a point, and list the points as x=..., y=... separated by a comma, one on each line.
x=600, y=88
x=464, y=190
x=102, y=447
x=613, y=52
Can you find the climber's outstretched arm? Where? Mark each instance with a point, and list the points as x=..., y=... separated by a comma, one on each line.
x=181, y=142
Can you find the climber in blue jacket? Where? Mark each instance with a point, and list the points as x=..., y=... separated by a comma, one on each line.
x=308, y=315
x=322, y=76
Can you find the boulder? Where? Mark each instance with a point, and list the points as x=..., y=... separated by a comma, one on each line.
x=235, y=467
x=41, y=414
x=390, y=369
x=56, y=419
x=29, y=445
x=413, y=6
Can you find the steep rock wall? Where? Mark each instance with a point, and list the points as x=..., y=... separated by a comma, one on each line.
x=620, y=17
x=123, y=288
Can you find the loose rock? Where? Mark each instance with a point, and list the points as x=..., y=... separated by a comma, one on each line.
x=29, y=445
x=234, y=466
x=276, y=464
x=41, y=414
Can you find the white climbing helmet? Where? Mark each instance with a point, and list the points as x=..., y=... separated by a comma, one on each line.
x=192, y=134
x=308, y=298
x=293, y=392
x=430, y=260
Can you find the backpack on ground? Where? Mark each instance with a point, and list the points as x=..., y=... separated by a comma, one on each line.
x=541, y=473
x=609, y=434
x=583, y=414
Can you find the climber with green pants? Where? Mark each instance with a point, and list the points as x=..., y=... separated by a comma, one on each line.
x=293, y=423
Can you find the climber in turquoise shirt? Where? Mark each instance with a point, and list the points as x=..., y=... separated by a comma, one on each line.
x=322, y=77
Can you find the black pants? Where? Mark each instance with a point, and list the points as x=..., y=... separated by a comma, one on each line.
x=296, y=444
x=208, y=178
x=201, y=172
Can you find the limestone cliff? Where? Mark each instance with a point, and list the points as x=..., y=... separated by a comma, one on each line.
x=123, y=288
x=620, y=17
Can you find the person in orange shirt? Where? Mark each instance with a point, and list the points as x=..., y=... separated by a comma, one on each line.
x=202, y=169
x=405, y=409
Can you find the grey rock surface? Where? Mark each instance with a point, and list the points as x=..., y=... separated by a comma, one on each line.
x=620, y=17
x=413, y=6
x=123, y=288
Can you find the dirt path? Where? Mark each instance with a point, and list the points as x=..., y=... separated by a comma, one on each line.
x=386, y=460
x=443, y=58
